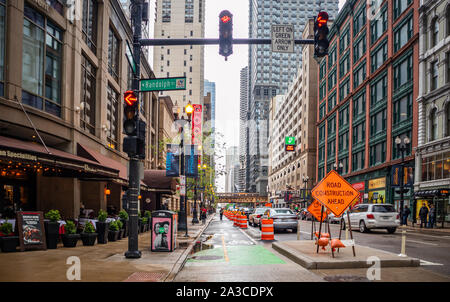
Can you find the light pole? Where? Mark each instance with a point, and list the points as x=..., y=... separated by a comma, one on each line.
x=401, y=143
x=305, y=187
x=339, y=170
x=182, y=223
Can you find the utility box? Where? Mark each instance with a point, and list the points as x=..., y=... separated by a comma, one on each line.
x=164, y=231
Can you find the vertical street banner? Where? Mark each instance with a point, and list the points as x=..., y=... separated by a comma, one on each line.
x=190, y=161
x=197, y=125
x=173, y=160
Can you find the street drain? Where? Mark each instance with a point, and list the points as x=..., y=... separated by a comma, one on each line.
x=345, y=278
x=211, y=257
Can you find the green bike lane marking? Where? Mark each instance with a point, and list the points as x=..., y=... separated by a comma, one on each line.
x=239, y=255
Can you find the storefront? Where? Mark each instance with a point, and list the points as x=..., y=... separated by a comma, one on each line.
x=161, y=193
x=360, y=187
x=440, y=198
x=377, y=190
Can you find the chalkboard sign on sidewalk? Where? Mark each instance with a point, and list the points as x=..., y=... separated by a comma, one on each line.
x=31, y=231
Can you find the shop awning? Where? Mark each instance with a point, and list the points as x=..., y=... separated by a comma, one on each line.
x=444, y=192
x=34, y=153
x=157, y=181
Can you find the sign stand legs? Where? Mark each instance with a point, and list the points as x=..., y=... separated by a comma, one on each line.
x=313, y=227
x=329, y=232
x=320, y=229
x=340, y=231
x=351, y=234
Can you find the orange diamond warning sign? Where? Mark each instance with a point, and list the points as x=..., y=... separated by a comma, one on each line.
x=335, y=193
x=315, y=209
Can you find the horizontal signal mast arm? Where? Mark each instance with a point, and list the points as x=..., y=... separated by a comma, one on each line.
x=164, y=42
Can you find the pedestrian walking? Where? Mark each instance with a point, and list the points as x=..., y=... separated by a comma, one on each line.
x=203, y=215
x=423, y=213
x=221, y=213
x=431, y=216
x=405, y=215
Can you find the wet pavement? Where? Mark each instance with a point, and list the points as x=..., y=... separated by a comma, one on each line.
x=226, y=253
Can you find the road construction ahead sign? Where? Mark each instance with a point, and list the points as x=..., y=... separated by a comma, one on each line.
x=315, y=208
x=335, y=193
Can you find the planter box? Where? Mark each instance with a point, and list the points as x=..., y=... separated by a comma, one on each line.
x=89, y=238
x=70, y=240
x=9, y=244
x=51, y=234
x=102, y=230
x=120, y=234
x=113, y=235
x=125, y=228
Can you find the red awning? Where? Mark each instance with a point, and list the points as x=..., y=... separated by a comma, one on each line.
x=157, y=180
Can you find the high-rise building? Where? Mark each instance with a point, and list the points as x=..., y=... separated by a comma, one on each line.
x=232, y=169
x=243, y=130
x=181, y=19
x=270, y=73
x=211, y=88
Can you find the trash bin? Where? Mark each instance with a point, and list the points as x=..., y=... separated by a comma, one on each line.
x=164, y=231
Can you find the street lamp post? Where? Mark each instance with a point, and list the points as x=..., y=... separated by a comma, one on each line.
x=339, y=170
x=401, y=143
x=182, y=224
x=305, y=186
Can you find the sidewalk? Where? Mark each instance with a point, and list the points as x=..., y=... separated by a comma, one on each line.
x=433, y=231
x=101, y=262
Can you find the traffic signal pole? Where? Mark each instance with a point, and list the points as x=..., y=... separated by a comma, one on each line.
x=134, y=179
x=168, y=42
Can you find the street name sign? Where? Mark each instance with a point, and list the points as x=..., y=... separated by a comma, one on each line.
x=335, y=193
x=315, y=209
x=163, y=84
x=289, y=140
x=282, y=38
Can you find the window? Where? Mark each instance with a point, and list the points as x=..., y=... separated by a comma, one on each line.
x=434, y=75
x=332, y=79
x=403, y=32
x=322, y=154
x=379, y=25
x=378, y=91
x=400, y=6
x=448, y=66
x=434, y=32
x=433, y=122
x=323, y=69
x=359, y=75
x=403, y=73
x=321, y=133
x=344, y=41
x=344, y=65
x=403, y=109
x=331, y=149
x=359, y=20
x=343, y=142
x=331, y=126
x=359, y=133
x=321, y=172
x=436, y=167
x=168, y=63
x=447, y=17
x=112, y=117
x=378, y=154
x=200, y=12
x=344, y=89
x=166, y=11
x=168, y=51
x=359, y=48
x=448, y=120
x=332, y=57
x=2, y=45
x=190, y=68
x=87, y=114
x=379, y=56
x=90, y=23
x=331, y=102
x=358, y=160
x=189, y=11
x=344, y=162
x=184, y=62
x=343, y=117
x=378, y=122
x=113, y=54
x=322, y=111
x=322, y=90
x=359, y=106
x=41, y=63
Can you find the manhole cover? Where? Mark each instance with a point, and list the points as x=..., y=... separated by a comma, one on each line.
x=145, y=277
x=212, y=257
x=345, y=278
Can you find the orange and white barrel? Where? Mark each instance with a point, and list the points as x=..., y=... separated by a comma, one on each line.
x=243, y=222
x=267, y=229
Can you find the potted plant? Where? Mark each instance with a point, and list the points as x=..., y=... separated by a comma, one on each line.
x=143, y=224
x=123, y=215
x=121, y=230
x=70, y=236
x=52, y=228
x=8, y=242
x=88, y=236
x=113, y=233
x=102, y=227
x=139, y=222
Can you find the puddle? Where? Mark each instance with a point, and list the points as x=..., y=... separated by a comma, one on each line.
x=202, y=244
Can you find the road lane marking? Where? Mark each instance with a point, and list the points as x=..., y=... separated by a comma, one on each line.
x=225, y=252
x=427, y=243
x=246, y=235
x=424, y=262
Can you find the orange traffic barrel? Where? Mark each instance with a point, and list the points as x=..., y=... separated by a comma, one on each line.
x=243, y=222
x=267, y=229
x=236, y=221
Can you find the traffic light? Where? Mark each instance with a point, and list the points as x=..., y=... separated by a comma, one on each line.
x=130, y=125
x=225, y=34
x=321, y=42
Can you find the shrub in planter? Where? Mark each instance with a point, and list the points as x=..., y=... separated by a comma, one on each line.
x=70, y=238
x=113, y=233
x=143, y=224
x=148, y=214
x=121, y=230
x=123, y=215
x=8, y=242
x=88, y=236
x=52, y=228
x=102, y=227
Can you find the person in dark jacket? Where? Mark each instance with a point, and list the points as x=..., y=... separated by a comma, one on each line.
x=221, y=213
x=431, y=216
x=406, y=212
x=423, y=215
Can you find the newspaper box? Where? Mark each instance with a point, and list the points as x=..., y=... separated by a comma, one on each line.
x=164, y=231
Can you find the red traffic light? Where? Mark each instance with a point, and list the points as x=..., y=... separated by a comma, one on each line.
x=322, y=19
x=130, y=97
x=225, y=19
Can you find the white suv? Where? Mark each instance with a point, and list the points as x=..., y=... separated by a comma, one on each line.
x=373, y=216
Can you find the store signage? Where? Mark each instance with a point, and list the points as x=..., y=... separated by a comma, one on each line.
x=408, y=176
x=191, y=161
x=173, y=160
x=7, y=153
x=289, y=148
x=282, y=38
x=315, y=208
x=335, y=193
x=31, y=231
x=359, y=186
x=377, y=183
x=163, y=84
x=197, y=124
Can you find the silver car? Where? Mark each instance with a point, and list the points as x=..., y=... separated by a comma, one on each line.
x=366, y=217
x=283, y=219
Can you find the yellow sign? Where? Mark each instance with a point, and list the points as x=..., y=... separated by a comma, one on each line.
x=377, y=183
x=377, y=196
x=335, y=193
x=315, y=208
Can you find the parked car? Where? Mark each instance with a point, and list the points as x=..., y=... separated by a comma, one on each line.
x=334, y=219
x=366, y=217
x=248, y=211
x=283, y=219
x=254, y=218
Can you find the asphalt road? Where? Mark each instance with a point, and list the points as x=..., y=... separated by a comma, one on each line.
x=433, y=250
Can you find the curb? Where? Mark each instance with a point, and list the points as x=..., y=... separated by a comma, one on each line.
x=183, y=258
x=309, y=263
x=441, y=232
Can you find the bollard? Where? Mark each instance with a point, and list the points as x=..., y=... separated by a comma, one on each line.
x=298, y=230
x=403, y=248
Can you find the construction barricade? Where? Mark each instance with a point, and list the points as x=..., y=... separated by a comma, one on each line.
x=267, y=229
x=243, y=224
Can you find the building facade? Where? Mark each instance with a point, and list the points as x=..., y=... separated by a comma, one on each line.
x=243, y=129
x=181, y=19
x=432, y=169
x=231, y=169
x=270, y=73
x=61, y=87
x=367, y=87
